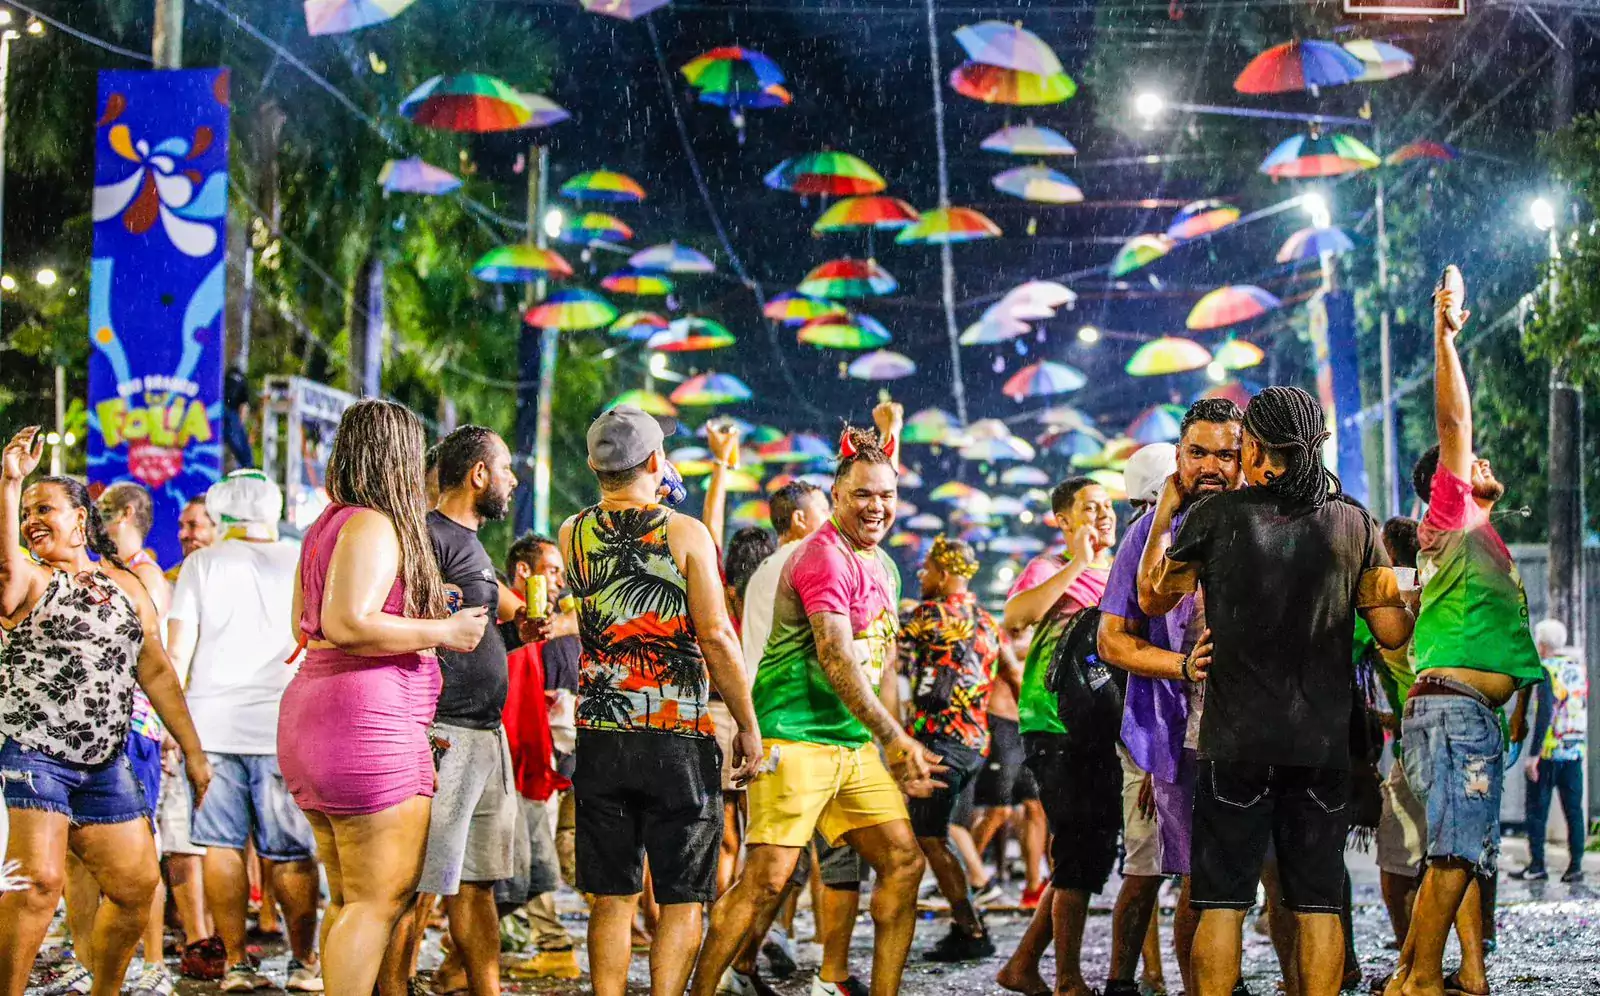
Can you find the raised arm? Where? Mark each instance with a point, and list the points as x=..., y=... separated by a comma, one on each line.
x=1160, y=590
x=1452, y=401
x=890, y=418
x=1026, y=608
x=723, y=442
x=21, y=580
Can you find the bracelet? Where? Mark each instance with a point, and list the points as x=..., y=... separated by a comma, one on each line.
x=1184, y=669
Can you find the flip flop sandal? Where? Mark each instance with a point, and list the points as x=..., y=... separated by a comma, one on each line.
x=1453, y=987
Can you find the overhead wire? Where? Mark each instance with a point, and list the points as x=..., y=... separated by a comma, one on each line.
x=947, y=265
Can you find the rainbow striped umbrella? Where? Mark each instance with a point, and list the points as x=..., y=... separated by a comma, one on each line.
x=929, y=426
x=866, y=212
x=1140, y=251
x=520, y=264
x=332, y=17
x=1311, y=243
x=1314, y=155
x=1229, y=306
x=801, y=447
x=754, y=512
x=470, y=102
x=571, y=311
x=732, y=76
x=603, y=185
x=1009, y=46
x=881, y=364
x=741, y=482
x=690, y=335
x=1379, y=60
x=691, y=461
x=1201, y=218
x=1075, y=444
x=833, y=174
x=1039, y=379
x=637, y=326
x=543, y=111
x=1038, y=183
x=670, y=257
x=947, y=226
x=413, y=176
x=1112, y=481
x=847, y=278
x=711, y=389
x=993, y=328
x=996, y=85
x=763, y=434
x=794, y=308
x=1299, y=65
x=1237, y=391
x=777, y=482
x=630, y=280
x=626, y=10
x=646, y=401
x=905, y=539
x=1024, y=476
x=1167, y=355
x=924, y=522
x=592, y=226
x=844, y=332
x=1029, y=140
x=1157, y=424
x=909, y=479
x=995, y=450
x=1237, y=354
x=1413, y=151
x=957, y=492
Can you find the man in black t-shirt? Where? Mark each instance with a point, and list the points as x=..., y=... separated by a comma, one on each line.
x=1285, y=564
x=472, y=829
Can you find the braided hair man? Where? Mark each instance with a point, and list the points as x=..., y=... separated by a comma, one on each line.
x=1284, y=564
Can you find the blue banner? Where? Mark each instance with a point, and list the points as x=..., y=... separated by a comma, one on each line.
x=1345, y=374
x=157, y=286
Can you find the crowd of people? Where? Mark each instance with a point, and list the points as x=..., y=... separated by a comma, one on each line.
x=379, y=725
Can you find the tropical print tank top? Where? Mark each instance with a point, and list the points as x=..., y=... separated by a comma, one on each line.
x=641, y=668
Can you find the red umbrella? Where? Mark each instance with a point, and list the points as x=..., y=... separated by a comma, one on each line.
x=1299, y=65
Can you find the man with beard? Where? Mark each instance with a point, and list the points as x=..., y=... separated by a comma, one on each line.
x=1161, y=718
x=473, y=823
x=817, y=699
x=196, y=531
x=1472, y=650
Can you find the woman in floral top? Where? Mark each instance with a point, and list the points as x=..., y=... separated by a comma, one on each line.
x=83, y=634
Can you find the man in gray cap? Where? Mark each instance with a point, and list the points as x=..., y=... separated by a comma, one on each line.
x=652, y=623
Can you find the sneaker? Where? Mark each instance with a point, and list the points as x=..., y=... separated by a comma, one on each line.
x=74, y=979
x=778, y=949
x=303, y=979
x=1572, y=875
x=1530, y=874
x=561, y=964
x=736, y=983
x=849, y=987
x=989, y=895
x=206, y=960
x=1031, y=897
x=1121, y=987
x=153, y=981
x=244, y=979
x=1241, y=989
x=958, y=945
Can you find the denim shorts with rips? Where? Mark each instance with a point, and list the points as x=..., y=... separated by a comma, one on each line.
x=1453, y=760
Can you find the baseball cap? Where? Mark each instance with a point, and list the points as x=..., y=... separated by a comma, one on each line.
x=624, y=436
x=1147, y=471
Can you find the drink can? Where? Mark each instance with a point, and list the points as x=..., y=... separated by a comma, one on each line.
x=452, y=598
x=538, y=597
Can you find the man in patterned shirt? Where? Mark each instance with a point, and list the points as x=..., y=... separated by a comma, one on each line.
x=949, y=647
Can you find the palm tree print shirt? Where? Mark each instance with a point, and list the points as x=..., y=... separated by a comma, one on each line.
x=951, y=643
x=641, y=668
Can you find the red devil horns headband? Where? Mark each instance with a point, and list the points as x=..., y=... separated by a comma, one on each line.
x=848, y=448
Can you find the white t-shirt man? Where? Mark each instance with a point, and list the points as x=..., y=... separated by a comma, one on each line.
x=760, y=597
x=238, y=595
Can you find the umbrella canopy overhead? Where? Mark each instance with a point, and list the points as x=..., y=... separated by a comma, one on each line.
x=997, y=85
x=1024, y=476
x=1229, y=306
x=639, y=283
x=794, y=308
x=469, y=102
x=1202, y=218
x=1041, y=379
x=543, y=111
x=844, y=332
x=754, y=512
x=332, y=17
x=646, y=401
x=848, y=278
x=1423, y=149
x=947, y=226
x=1313, y=155
x=925, y=522
x=603, y=185
x=930, y=426
x=881, y=364
x=1168, y=355
x=638, y=326
x=692, y=334
x=732, y=76
x=1311, y=243
x=866, y=212
x=711, y=389
x=626, y=10
x=1299, y=65
x=1009, y=46
x=1140, y=251
x=1157, y=424
x=521, y=264
x=571, y=311
x=1237, y=354
x=1380, y=60
x=413, y=176
x=1029, y=140
x=592, y=226
x=671, y=257
x=1039, y=184
x=995, y=450
x=834, y=174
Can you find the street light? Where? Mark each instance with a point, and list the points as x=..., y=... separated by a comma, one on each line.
x=1088, y=335
x=1149, y=105
x=1316, y=206
x=1542, y=213
x=553, y=220
x=46, y=277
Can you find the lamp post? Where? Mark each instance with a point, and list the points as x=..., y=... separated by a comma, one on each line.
x=8, y=34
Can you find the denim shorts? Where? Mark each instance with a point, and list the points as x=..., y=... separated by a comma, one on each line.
x=1453, y=765
x=247, y=799
x=107, y=792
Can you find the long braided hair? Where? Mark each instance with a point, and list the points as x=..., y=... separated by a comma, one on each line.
x=95, y=536
x=1288, y=421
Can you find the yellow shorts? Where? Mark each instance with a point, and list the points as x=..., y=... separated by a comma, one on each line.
x=832, y=790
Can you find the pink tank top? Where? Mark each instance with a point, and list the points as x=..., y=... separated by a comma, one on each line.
x=318, y=554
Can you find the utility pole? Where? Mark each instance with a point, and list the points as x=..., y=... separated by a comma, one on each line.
x=167, y=41
x=1391, y=476
x=536, y=365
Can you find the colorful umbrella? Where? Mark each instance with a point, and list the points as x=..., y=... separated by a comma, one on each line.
x=925, y=522
x=993, y=328
x=846, y=278
x=711, y=389
x=834, y=174
x=754, y=512
x=1038, y=183
x=691, y=461
x=865, y=212
x=995, y=85
x=1230, y=306
x=626, y=10
x=763, y=434
x=881, y=364
x=630, y=280
x=1237, y=354
x=1072, y=443
x=1314, y=155
x=1024, y=545
x=1005, y=506
x=1009, y=46
x=647, y=401
x=948, y=225
x=957, y=492
x=1167, y=355
x=592, y=226
x=571, y=311
x=802, y=447
x=777, y=482
x=930, y=426
x=543, y=111
x=521, y=264
x=844, y=332
x=690, y=335
x=1412, y=151
x=1045, y=378
x=1299, y=65
x=603, y=185
x=1379, y=60
x=1140, y=251
x=1029, y=140
x=671, y=257
x=469, y=102
x=1235, y=391
x=732, y=76
x=729, y=421
x=1311, y=243
x=905, y=539
x=995, y=450
x=1112, y=481
x=1039, y=293
x=740, y=482
x=332, y=17
x=1066, y=417
x=638, y=325
x=1201, y=218
x=794, y=308
x=909, y=479
x=1157, y=424
x=413, y=176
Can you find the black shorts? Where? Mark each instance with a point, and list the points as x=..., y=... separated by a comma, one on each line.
x=931, y=817
x=1004, y=781
x=656, y=794
x=1080, y=788
x=1241, y=806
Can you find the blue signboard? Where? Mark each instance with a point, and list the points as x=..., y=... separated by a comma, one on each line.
x=156, y=287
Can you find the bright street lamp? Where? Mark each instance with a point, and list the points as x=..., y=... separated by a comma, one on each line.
x=1542, y=213
x=553, y=220
x=46, y=277
x=1088, y=335
x=1149, y=105
x=1316, y=206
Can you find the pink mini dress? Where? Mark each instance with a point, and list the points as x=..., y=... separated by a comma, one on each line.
x=353, y=731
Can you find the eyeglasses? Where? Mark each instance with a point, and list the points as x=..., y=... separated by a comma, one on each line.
x=99, y=594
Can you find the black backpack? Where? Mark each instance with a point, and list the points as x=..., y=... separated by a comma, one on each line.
x=1088, y=693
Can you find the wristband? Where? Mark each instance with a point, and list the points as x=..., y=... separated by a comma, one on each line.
x=1184, y=669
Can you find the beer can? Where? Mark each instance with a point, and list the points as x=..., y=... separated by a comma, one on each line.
x=538, y=597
